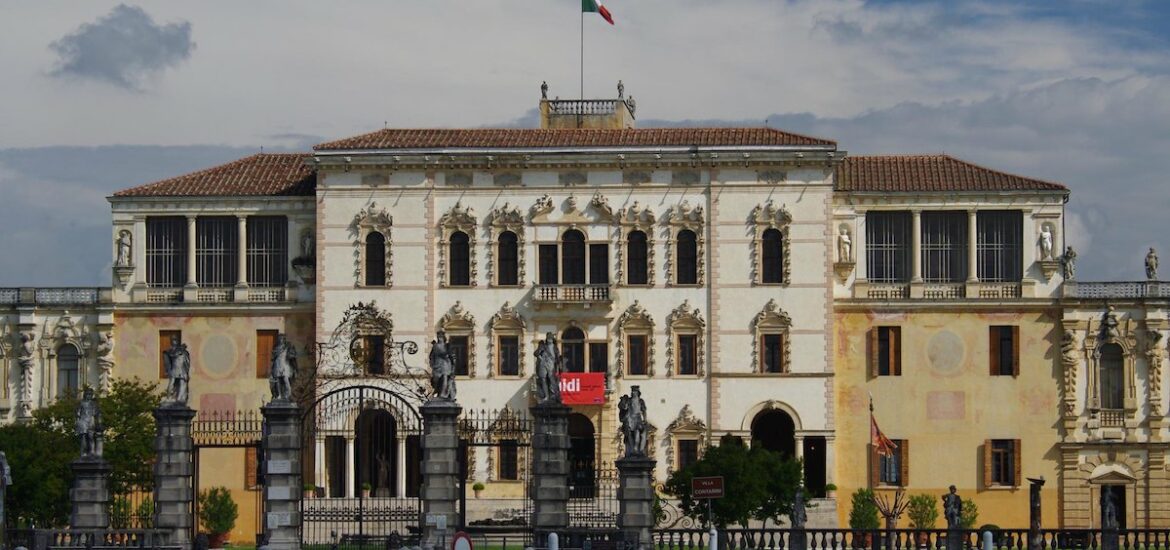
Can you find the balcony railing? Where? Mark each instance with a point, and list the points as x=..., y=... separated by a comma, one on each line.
x=572, y=294
x=274, y=294
x=583, y=106
x=1120, y=289
x=1000, y=290
x=213, y=295
x=64, y=296
x=944, y=291
x=1112, y=418
x=888, y=291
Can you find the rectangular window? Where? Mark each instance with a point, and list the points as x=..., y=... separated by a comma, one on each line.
x=887, y=246
x=772, y=359
x=548, y=264
x=599, y=264
x=374, y=354
x=598, y=357
x=885, y=351
x=944, y=247
x=1001, y=462
x=164, y=343
x=267, y=250
x=509, y=358
x=1004, y=351
x=265, y=341
x=688, y=354
x=216, y=246
x=638, y=354
x=688, y=452
x=459, y=347
x=894, y=468
x=999, y=245
x=251, y=469
x=509, y=469
x=166, y=251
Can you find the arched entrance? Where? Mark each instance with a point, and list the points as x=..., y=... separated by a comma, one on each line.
x=582, y=457
x=376, y=433
x=774, y=430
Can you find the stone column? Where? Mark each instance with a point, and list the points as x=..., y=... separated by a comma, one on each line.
x=192, y=243
x=972, y=250
x=916, y=246
x=174, y=469
x=636, y=499
x=400, y=487
x=550, y=469
x=440, y=472
x=350, y=469
x=90, y=494
x=282, y=475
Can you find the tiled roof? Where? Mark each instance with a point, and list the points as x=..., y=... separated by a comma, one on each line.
x=533, y=138
x=929, y=173
x=260, y=174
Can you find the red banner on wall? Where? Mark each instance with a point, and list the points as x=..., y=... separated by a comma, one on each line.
x=583, y=388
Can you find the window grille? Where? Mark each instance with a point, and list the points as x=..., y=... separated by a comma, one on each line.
x=772, y=256
x=216, y=251
x=687, y=271
x=636, y=258
x=375, y=259
x=573, y=258
x=887, y=246
x=1112, y=377
x=508, y=272
x=509, y=355
x=68, y=370
x=460, y=253
x=944, y=247
x=267, y=251
x=166, y=251
x=999, y=245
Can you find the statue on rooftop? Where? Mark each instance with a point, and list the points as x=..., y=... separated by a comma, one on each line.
x=544, y=90
x=1069, y=261
x=1152, y=265
x=621, y=90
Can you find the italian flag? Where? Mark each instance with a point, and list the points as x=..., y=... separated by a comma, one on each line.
x=593, y=6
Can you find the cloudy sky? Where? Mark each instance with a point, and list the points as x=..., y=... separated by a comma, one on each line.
x=101, y=95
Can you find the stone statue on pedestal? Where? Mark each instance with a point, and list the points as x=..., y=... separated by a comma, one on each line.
x=544, y=90
x=5, y=482
x=178, y=366
x=283, y=370
x=1069, y=261
x=548, y=370
x=89, y=425
x=953, y=509
x=844, y=246
x=1108, y=511
x=125, y=247
x=442, y=361
x=799, y=514
x=105, y=360
x=632, y=413
x=1152, y=265
x=1046, y=243
x=621, y=90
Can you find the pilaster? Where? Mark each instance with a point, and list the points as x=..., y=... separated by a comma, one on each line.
x=174, y=470
x=282, y=475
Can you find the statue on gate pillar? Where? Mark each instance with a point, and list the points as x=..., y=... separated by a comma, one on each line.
x=953, y=508
x=283, y=370
x=178, y=366
x=88, y=425
x=632, y=413
x=442, y=360
x=548, y=370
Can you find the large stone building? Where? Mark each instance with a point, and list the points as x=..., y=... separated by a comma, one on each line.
x=752, y=282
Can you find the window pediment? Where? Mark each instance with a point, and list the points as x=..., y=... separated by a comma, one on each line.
x=635, y=320
x=689, y=321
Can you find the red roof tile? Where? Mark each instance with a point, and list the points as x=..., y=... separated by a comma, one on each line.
x=260, y=174
x=533, y=138
x=929, y=173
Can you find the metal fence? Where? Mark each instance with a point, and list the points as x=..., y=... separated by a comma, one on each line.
x=910, y=539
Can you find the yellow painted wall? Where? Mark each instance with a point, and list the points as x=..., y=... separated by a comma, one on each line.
x=225, y=468
x=946, y=404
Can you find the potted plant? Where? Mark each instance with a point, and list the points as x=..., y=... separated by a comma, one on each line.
x=830, y=490
x=217, y=514
x=310, y=490
x=863, y=518
x=366, y=488
x=478, y=488
x=923, y=513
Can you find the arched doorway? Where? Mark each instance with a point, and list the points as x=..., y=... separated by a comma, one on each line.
x=774, y=430
x=582, y=457
x=377, y=457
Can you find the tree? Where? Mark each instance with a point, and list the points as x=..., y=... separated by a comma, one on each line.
x=40, y=452
x=923, y=511
x=757, y=484
x=864, y=512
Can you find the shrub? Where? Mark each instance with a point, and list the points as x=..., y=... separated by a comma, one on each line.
x=145, y=513
x=477, y=486
x=970, y=514
x=120, y=513
x=923, y=511
x=864, y=512
x=217, y=510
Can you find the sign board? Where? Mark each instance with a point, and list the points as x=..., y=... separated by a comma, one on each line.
x=280, y=466
x=280, y=519
x=439, y=521
x=583, y=388
x=461, y=541
x=707, y=487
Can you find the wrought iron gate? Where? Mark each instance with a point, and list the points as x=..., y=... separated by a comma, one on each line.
x=361, y=457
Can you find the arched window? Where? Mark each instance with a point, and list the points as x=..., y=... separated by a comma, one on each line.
x=772, y=256
x=460, y=254
x=1112, y=377
x=573, y=349
x=573, y=258
x=68, y=367
x=687, y=270
x=375, y=259
x=636, y=253
x=508, y=269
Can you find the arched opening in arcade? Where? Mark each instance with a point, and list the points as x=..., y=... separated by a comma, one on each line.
x=775, y=430
x=377, y=453
x=582, y=457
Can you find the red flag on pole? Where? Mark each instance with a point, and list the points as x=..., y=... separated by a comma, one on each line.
x=880, y=442
x=593, y=6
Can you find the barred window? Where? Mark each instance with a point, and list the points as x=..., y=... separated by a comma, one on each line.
x=508, y=269
x=216, y=246
x=166, y=251
x=944, y=247
x=687, y=271
x=999, y=245
x=460, y=253
x=267, y=250
x=636, y=258
x=772, y=256
x=375, y=259
x=887, y=246
x=68, y=370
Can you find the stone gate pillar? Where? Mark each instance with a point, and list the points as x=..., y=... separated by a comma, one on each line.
x=174, y=471
x=90, y=494
x=440, y=471
x=636, y=499
x=550, y=469
x=282, y=475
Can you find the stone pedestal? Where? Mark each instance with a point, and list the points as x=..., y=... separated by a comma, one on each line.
x=282, y=475
x=636, y=499
x=550, y=469
x=174, y=469
x=440, y=472
x=90, y=494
